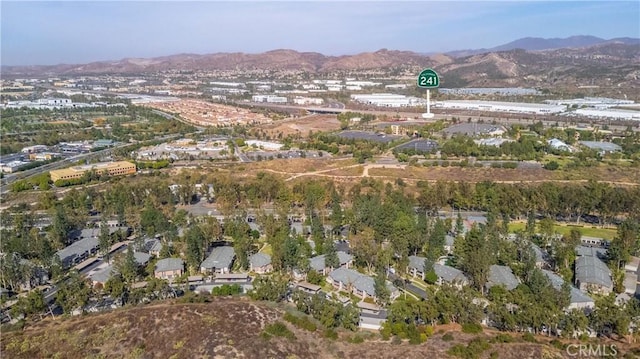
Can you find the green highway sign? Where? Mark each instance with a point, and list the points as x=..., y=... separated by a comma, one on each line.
x=428, y=79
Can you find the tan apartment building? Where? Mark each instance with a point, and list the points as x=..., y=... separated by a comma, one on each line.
x=112, y=168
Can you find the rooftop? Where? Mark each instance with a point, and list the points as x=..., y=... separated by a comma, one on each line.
x=78, y=248
x=358, y=280
x=318, y=262
x=260, y=259
x=220, y=257
x=449, y=274
x=169, y=264
x=592, y=270
x=576, y=295
x=502, y=275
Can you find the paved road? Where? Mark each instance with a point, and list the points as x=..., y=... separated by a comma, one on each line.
x=410, y=287
x=6, y=182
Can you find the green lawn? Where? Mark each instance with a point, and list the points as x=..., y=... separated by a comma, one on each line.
x=589, y=231
x=266, y=249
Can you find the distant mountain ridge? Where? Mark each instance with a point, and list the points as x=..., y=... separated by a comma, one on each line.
x=612, y=64
x=538, y=44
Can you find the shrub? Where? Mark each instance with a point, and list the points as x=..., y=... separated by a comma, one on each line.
x=503, y=338
x=471, y=328
x=278, y=329
x=300, y=322
x=528, y=337
x=331, y=334
x=552, y=166
x=447, y=337
x=431, y=277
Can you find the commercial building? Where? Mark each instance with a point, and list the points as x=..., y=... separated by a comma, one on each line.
x=502, y=91
x=307, y=101
x=12, y=166
x=609, y=114
x=269, y=99
x=111, y=168
x=495, y=106
x=602, y=147
x=388, y=100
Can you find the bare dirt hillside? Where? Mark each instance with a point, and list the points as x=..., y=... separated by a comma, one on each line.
x=227, y=328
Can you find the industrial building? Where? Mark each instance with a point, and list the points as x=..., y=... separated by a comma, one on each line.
x=269, y=99
x=503, y=91
x=594, y=102
x=609, y=113
x=307, y=101
x=12, y=166
x=602, y=147
x=111, y=168
x=388, y=100
x=495, y=106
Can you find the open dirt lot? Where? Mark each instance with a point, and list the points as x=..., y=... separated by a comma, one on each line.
x=302, y=125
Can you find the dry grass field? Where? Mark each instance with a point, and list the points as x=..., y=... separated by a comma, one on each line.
x=231, y=328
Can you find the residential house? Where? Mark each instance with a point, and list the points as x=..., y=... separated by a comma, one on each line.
x=501, y=275
x=231, y=278
x=578, y=300
x=359, y=284
x=317, y=263
x=260, y=263
x=169, y=268
x=102, y=276
x=308, y=288
x=416, y=266
x=450, y=275
x=78, y=252
x=445, y=274
x=592, y=275
x=152, y=246
x=219, y=261
x=371, y=316
x=141, y=258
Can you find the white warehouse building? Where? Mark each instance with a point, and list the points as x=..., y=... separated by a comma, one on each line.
x=495, y=106
x=388, y=100
x=269, y=99
x=308, y=100
x=610, y=113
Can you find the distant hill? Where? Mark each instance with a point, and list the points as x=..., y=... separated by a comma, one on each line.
x=538, y=43
x=609, y=64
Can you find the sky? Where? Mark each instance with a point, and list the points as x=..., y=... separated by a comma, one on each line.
x=73, y=32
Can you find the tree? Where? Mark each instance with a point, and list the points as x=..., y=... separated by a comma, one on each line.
x=380, y=287
x=128, y=267
x=195, y=247
x=271, y=288
x=73, y=293
x=365, y=248
x=475, y=257
x=625, y=243
x=331, y=259
x=459, y=224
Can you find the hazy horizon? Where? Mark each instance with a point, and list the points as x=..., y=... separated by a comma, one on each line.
x=55, y=32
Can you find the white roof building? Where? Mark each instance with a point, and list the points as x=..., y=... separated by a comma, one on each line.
x=495, y=106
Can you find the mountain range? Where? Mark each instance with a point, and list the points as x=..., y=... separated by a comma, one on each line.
x=579, y=61
x=538, y=43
